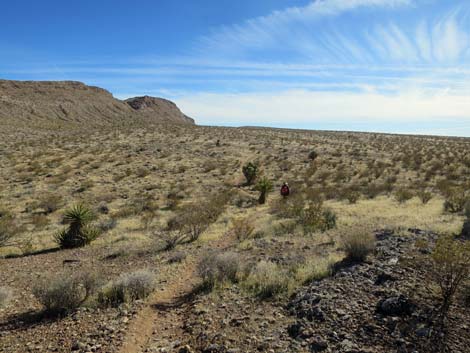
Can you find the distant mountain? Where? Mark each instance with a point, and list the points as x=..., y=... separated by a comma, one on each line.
x=37, y=102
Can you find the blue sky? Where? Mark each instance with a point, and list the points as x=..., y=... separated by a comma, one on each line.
x=369, y=65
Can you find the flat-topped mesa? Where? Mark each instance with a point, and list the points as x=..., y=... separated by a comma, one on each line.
x=164, y=108
x=37, y=102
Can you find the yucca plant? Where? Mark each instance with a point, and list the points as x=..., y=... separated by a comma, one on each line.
x=264, y=186
x=249, y=171
x=80, y=232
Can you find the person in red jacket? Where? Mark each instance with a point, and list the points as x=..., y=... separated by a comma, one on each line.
x=285, y=191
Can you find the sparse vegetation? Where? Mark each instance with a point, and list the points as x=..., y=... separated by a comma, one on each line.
x=127, y=288
x=450, y=268
x=217, y=269
x=267, y=280
x=66, y=292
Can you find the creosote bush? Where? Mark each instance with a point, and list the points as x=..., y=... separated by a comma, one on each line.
x=357, y=244
x=65, y=292
x=424, y=196
x=216, y=269
x=5, y=296
x=127, y=288
x=80, y=232
x=450, y=267
x=315, y=218
x=455, y=201
x=402, y=195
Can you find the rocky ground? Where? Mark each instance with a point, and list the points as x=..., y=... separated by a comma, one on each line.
x=378, y=306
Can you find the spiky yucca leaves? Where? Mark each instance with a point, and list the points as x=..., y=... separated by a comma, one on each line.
x=264, y=186
x=80, y=232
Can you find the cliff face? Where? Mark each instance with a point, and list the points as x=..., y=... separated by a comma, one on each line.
x=165, y=109
x=67, y=101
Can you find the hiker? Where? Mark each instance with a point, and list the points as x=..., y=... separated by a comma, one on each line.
x=285, y=191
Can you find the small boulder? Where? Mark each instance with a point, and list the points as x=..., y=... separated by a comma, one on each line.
x=395, y=306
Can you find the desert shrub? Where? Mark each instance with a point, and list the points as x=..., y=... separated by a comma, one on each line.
x=80, y=232
x=8, y=228
x=267, y=279
x=357, y=244
x=242, y=228
x=5, y=296
x=402, y=195
x=290, y=207
x=65, y=292
x=424, y=196
x=250, y=171
x=312, y=155
x=264, y=186
x=455, y=201
x=50, y=202
x=315, y=218
x=450, y=267
x=217, y=269
x=127, y=288
x=171, y=238
x=352, y=196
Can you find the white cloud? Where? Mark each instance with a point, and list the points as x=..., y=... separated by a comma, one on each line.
x=303, y=107
x=270, y=29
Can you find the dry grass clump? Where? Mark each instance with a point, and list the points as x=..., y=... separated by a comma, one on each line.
x=217, y=269
x=65, y=292
x=6, y=295
x=358, y=244
x=127, y=288
x=315, y=269
x=242, y=228
x=267, y=280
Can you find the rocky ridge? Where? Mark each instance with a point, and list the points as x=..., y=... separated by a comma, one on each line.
x=57, y=102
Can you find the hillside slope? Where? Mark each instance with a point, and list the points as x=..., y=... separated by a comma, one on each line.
x=42, y=102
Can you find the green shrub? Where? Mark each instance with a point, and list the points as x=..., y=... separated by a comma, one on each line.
x=357, y=244
x=5, y=296
x=127, y=288
x=455, y=201
x=267, y=280
x=403, y=195
x=79, y=233
x=250, y=172
x=217, y=269
x=314, y=270
x=352, y=196
x=316, y=218
x=65, y=292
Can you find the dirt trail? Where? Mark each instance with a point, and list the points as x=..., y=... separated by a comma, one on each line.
x=162, y=318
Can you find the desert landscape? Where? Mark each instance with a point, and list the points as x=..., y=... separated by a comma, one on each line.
x=125, y=227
